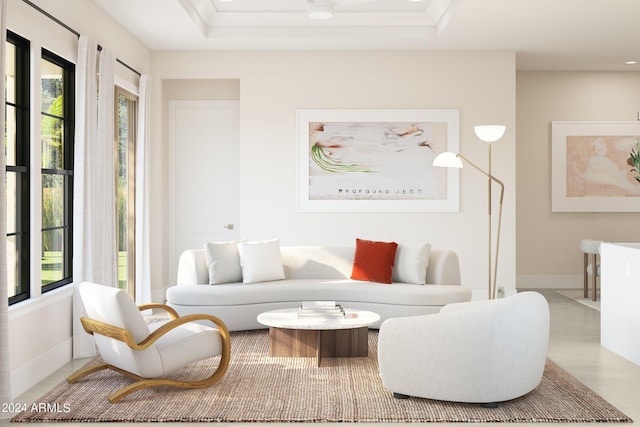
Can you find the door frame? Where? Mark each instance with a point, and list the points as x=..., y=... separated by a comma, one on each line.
x=173, y=106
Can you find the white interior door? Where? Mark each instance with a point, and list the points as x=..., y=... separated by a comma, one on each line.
x=203, y=175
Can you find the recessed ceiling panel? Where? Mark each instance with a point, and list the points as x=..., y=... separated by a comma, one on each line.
x=353, y=12
x=352, y=19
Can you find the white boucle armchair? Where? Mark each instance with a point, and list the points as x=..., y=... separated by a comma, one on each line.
x=482, y=352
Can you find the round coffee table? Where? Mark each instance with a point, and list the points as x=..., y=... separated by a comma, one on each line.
x=318, y=336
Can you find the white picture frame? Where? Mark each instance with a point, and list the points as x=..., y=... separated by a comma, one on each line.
x=376, y=160
x=589, y=169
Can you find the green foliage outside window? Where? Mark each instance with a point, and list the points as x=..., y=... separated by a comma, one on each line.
x=52, y=185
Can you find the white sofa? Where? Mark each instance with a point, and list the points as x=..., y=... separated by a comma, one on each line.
x=313, y=273
x=477, y=352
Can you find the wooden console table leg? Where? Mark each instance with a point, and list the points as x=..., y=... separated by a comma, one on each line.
x=586, y=275
x=594, y=272
x=318, y=349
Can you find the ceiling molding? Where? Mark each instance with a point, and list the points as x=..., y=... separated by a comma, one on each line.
x=398, y=19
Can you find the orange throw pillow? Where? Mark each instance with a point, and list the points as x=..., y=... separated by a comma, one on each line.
x=373, y=261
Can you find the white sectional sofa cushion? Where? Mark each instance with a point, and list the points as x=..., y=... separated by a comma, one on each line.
x=260, y=261
x=223, y=262
x=412, y=261
x=313, y=273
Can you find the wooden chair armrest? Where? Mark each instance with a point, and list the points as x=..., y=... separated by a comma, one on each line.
x=172, y=324
x=172, y=313
x=92, y=326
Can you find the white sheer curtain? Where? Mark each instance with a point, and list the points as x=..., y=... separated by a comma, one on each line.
x=104, y=240
x=143, y=142
x=86, y=119
x=94, y=231
x=5, y=368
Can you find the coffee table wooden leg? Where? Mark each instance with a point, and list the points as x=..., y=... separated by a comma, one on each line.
x=318, y=343
x=292, y=342
x=345, y=342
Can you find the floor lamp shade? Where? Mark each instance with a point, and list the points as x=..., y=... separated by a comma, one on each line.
x=448, y=160
x=489, y=133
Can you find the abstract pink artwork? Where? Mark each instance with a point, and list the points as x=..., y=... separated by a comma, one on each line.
x=598, y=166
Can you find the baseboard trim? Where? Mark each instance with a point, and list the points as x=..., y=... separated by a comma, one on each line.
x=36, y=370
x=549, y=281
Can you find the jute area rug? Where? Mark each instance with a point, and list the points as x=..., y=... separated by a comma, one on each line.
x=258, y=388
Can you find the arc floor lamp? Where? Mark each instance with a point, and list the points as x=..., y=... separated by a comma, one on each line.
x=488, y=134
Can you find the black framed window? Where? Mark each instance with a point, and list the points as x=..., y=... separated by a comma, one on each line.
x=17, y=144
x=57, y=136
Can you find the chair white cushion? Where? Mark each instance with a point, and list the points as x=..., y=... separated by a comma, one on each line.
x=223, y=262
x=201, y=341
x=115, y=307
x=261, y=261
x=412, y=261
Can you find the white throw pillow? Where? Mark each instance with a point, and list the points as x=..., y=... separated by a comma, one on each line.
x=412, y=261
x=261, y=261
x=223, y=262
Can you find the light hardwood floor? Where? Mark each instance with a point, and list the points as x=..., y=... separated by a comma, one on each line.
x=574, y=345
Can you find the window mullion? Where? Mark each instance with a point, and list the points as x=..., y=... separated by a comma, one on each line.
x=35, y=163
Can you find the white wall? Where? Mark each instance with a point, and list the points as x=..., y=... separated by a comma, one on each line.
x=274, y=84
x=40, y=329
x=548, y=242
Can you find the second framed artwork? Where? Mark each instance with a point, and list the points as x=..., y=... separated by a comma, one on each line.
x=376, y=160
x=595, y=166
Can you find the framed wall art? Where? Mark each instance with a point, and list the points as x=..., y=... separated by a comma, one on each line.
x=376, y=160
x=595, y=166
